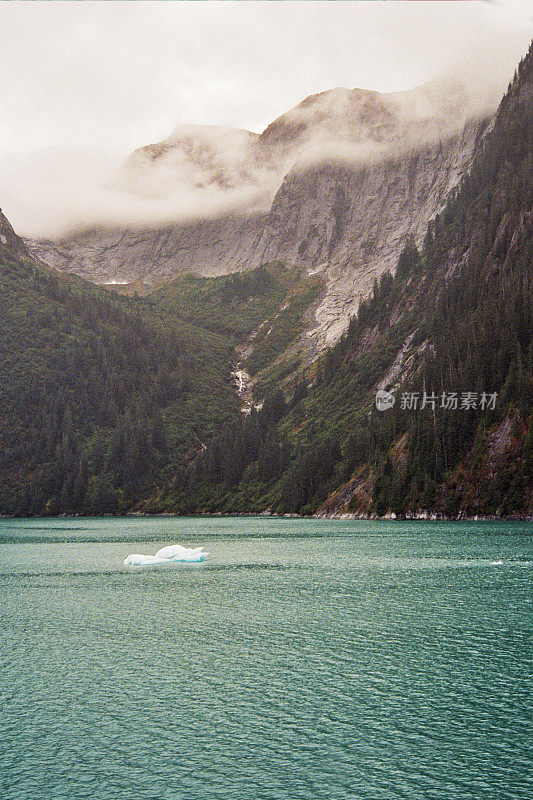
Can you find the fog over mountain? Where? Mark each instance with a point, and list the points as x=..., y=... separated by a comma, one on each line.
x=336, y=185
x=88, y=88
x=201, y=171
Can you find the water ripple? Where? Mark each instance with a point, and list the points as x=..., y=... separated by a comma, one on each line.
x=283, y=676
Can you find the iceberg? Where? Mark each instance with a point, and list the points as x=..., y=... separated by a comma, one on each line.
x=172, y=554
x=138, y=559
x=177, y=552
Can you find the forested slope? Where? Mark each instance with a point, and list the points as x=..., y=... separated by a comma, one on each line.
x=100, y=396
x=455, y=318
x=112, y=405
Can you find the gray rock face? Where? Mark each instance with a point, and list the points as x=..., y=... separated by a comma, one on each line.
x=353, y=224
x=156, y=255
x=346, y=216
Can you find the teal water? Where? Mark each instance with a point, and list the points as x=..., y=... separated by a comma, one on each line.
x=304, y=659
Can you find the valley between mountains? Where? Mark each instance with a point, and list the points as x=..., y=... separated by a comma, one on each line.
x=228, y=363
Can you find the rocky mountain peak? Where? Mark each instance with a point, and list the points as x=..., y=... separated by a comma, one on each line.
x=343, y=114
x=193, y=156
x=336, y=184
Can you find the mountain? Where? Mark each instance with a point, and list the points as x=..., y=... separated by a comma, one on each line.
x=100, y=395
x=336, y=184
x=113, y=404
x=194, y=156
x=448, y=336
x=106, y=398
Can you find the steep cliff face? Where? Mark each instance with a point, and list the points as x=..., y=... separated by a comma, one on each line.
x=155, y=255
x=446, y=341
x=357, y=173
x=463, y=321
x=353, y=223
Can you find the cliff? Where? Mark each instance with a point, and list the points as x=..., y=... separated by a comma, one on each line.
x=336, y=184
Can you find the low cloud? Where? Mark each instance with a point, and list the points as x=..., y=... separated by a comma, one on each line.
x=126, y=74
x=54, y=193
x=204, y=171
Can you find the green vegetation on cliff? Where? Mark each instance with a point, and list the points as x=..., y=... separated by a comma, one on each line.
x=456, y=317
x=100, y=396
x=231, y=305
x=268, y=303
x=110, y=404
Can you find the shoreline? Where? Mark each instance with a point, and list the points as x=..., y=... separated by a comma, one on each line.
x=422, y=517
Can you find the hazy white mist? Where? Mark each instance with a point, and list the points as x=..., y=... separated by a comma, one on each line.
x=85, y=84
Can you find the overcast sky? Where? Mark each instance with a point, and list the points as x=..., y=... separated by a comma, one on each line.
x=117, y=75
x=126, y=73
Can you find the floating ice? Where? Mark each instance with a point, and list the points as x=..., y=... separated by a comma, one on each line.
x=136, y=559
x=171, y=554
x=177, y=552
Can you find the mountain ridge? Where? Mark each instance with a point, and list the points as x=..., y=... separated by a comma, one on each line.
x=387, y=166
x=449, y=336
